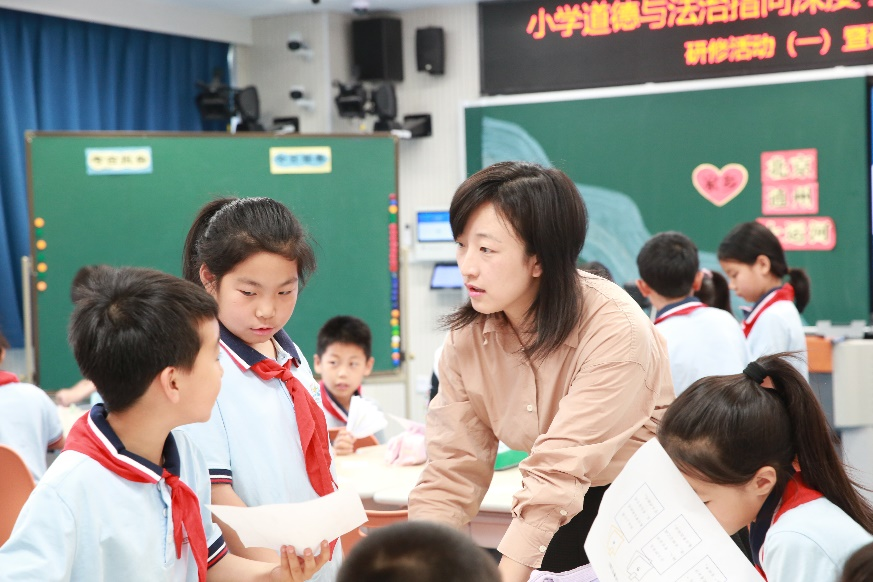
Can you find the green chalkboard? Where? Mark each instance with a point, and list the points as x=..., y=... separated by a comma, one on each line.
x=141, y=219
x=633, y=158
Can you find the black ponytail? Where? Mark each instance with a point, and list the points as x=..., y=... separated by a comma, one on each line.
x=190, y=257
x=815, y=442
x=800, y=281
x=723, y=429
x=715, y=291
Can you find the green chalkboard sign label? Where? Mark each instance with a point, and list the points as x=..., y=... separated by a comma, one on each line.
x=113, y=161
x=311, y=160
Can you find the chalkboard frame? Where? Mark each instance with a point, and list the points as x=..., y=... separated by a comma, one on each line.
x=360, y=150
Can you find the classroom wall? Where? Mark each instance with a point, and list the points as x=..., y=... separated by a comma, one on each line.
x=146, y=15
x=430, y=168
x=273, y=69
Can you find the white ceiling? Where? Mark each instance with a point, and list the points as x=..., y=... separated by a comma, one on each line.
x=256, y=8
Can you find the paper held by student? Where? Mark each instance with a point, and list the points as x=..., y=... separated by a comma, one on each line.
x=365, y=418
x=302, y=525
x=652, y=527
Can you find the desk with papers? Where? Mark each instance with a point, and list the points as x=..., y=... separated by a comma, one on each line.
x=383, y=486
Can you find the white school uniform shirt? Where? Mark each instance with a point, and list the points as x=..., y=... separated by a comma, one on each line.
x=778, y=328
x=701, y=341
x=29, y=423
x=251, y=441
x=84, y=523
x=811, y=542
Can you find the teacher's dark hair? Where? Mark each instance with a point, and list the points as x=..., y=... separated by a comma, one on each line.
x=544, y=208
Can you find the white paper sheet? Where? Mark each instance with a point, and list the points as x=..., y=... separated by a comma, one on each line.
x=365, y=418
x=302, y=525
x=652, y=527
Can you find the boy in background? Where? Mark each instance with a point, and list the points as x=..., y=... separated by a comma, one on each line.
x=343, y=359
x=126, y=500
x=29, y=421
x=701, y=340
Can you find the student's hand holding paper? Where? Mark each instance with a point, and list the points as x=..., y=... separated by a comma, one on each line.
x=365, y=418
x=297, y=569
x=344, y=443
x=303, y=524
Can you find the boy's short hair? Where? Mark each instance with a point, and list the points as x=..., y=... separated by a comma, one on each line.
x=129, y=324
x=859, y=566
x=419, y=551
x=344, y=329
x=668, y=263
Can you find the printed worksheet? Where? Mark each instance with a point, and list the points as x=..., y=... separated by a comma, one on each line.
x=652, y=527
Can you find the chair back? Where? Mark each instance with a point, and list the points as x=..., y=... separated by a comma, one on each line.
x=367, y=441
x=17, y=485
x=375, y=519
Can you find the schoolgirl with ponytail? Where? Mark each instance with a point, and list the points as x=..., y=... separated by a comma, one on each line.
x=266, y=441
x=757, y=449
x=752, y=258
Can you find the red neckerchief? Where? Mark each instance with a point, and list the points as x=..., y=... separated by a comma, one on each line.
x=796, y=494
x=333, y=408
x=681, y=309
x=7, y=378
x=310, y=423
x=783, y=293
x=85, y=438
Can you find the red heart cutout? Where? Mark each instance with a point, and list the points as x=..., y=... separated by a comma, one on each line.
x=719, y=186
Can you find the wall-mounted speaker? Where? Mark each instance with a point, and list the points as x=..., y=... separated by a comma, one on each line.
x=430, y=50
x=377, y=49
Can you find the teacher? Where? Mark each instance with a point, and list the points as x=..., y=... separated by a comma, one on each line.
x=543, y=357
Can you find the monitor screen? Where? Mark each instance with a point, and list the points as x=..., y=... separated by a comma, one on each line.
x=446, y=276
x=433, y=226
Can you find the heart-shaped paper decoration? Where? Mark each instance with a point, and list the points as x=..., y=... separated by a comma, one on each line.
x=720, y=186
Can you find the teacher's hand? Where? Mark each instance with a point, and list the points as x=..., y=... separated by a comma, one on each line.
x=512, y=571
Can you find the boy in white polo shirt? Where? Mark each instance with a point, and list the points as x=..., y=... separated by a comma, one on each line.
x=29, y=421
x=701, y=340
x=126, y=499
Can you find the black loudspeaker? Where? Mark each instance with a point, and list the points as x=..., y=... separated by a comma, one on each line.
x=430, y=50
x=377, y=49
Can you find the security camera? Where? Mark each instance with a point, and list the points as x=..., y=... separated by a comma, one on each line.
x=298, y=95
x=360, y=7
x=316, y=1
x=298, y=47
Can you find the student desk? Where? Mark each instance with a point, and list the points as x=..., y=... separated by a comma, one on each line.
x=383, y=486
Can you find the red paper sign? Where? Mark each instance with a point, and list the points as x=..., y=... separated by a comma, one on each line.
x=817, y=233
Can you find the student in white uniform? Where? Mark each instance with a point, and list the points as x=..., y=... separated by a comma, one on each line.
x=701, y=340
x=343, y=359
x=126, y=500
x=757, y=449
x=267, y=440
x=29, y=421
x=754, y=262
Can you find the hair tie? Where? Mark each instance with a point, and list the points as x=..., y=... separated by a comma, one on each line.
x=756, y=372
x=706, y=272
